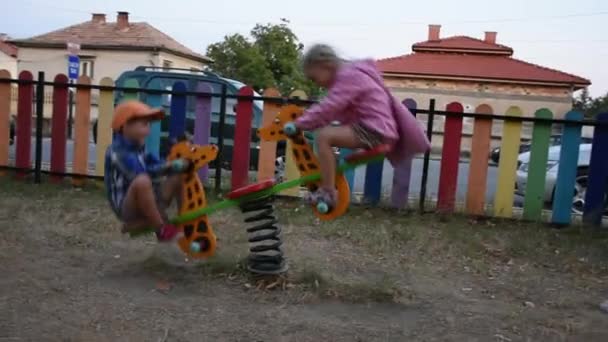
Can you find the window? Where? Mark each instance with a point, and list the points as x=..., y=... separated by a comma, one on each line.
x=87, y=67
x=167, y=64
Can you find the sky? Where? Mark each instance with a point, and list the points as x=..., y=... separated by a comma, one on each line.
x=567, y=35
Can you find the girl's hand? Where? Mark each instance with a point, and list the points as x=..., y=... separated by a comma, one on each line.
x=290, y=129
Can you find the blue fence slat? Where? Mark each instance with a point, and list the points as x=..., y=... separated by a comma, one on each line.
x=349, y=174
x=154, y=101
x=177, y=122
x=566, y=172
x=372, y=189
x=598, y=174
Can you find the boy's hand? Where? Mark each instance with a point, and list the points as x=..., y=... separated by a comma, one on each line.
x=179, y=165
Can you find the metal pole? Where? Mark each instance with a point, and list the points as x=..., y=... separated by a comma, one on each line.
x=427, y=155
x=220, y=141
x=39, y=120
x=70, y=109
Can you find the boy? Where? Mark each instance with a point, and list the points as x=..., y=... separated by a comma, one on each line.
x=136, y=185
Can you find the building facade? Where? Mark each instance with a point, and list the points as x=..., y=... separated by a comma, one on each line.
x=107, y=49
x=476, y=72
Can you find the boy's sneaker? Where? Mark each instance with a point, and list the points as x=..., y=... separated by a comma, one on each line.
x=166, y=233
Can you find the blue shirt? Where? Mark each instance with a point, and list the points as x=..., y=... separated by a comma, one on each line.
x=125, y=160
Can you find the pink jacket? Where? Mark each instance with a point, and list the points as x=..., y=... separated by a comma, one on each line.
x=358, y=95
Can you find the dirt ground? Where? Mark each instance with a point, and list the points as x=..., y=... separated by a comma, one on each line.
x=374, y=275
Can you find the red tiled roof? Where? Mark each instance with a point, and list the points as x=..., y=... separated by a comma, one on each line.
x=8, y=49
x=473, y=64
x=107, y=35
x=461, y=43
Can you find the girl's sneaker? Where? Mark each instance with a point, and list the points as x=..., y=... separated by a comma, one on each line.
x=322, y=195
x=167, y=232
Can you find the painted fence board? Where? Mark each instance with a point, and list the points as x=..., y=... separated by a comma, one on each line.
x=450, y=159
x=507, y=165
x=177, y=119
x=268, y=149
x=82, y=120
x=24, y=123
x=59, y=126
x=537, y=168
x=291, y=170
x=566, y=172
x=202, y=122
x=104, y=124
x=372, y=189
x=478, y=167
x=5, y=113
x=242, y=139
x=595, y=197
x=154, y=101
x=400, y=191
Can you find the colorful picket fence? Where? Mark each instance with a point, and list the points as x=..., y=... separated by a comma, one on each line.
x=475, y=203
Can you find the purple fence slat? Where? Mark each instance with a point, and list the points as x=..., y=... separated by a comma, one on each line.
x=202, y=122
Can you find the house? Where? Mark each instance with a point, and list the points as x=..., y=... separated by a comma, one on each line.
x=474, y=72
x=8, y=61
x=8, y=55
x=107, y=49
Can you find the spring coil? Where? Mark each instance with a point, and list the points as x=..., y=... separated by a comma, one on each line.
x=264, y=236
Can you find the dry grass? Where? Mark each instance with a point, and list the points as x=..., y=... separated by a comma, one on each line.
x=456, y=277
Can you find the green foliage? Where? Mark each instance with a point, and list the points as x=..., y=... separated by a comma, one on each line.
x=590, y=106
x=237, y=58
x=270, y=58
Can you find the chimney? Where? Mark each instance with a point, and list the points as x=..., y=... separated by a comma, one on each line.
x=99, y=18
x=434, y=32
x=490, y=37
x=122, y=20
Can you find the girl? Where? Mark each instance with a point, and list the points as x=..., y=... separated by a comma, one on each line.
x=367, y=112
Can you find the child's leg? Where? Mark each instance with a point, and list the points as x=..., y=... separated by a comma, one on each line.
x=328, y=137
x=139, y=208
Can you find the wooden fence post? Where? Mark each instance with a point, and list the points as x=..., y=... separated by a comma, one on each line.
x=202, y=122
x=478, y=167
x=507, y=165
x=82, y=122
x=23, y=148
x=450, y=159
x=5, y=118
x=268, y=149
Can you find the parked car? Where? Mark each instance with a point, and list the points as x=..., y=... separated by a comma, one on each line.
x=525, y=147
x=167, y=77
x=580, y=187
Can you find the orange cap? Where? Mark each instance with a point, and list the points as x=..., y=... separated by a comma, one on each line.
x=133, y=109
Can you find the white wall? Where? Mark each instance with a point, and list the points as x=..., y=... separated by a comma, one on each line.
x=8, y=63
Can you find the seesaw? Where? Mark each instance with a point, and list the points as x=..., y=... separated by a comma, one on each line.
x=269, y=187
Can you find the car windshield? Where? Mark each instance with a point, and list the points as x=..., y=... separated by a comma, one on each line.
x=239, y=85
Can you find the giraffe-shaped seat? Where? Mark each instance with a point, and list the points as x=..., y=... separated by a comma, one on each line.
x=198, y=240
x=305, y=159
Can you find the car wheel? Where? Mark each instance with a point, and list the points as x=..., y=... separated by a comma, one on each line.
x=580, y=190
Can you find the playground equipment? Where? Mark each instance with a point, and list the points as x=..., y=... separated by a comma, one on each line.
x=256, y=200
x=306, y=160
x=198, y=240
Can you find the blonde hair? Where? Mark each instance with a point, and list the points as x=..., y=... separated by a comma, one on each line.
x=319, y=53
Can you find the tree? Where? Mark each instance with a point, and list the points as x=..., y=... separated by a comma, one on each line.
x=271, y=58
x=590, y=106
x=237, y=58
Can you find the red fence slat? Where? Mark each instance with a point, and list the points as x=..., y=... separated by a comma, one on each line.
x=450, y=156
x=242, y=139
x=24, y=123
x=59, y=125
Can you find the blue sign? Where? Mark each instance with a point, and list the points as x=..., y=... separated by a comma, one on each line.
x=73, y=67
